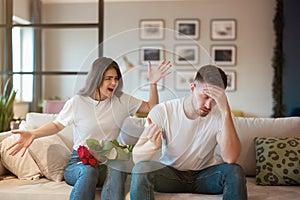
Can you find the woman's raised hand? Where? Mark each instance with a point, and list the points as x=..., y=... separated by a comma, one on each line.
x=159, y=72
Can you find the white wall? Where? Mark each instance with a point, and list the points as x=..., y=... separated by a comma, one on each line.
x=21, y=9
x=66, y=49
x=255, y=42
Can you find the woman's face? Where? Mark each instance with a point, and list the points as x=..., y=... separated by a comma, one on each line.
x=109, y=83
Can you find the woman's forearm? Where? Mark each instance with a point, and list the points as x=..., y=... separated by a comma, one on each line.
x=153, y=96
x=48, y=129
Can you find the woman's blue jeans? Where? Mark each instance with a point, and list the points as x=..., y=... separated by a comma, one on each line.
x=226, y=179
x=83, y=178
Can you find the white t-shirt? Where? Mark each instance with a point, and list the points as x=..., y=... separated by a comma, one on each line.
x=187, y=144
x=97, y=120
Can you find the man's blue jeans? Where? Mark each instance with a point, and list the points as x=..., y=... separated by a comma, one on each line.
x=84, y=178
x=226, y=179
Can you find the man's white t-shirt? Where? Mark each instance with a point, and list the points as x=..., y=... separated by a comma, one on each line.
x=98, y=120
x=187, y=144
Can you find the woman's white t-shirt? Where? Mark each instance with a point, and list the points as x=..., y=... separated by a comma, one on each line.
x=187, y=144
x=98, y=120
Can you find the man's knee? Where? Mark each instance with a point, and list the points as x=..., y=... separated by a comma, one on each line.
x=235, y=171
x=146, y=167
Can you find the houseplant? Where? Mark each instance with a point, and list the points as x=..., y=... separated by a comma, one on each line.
x=7, y=99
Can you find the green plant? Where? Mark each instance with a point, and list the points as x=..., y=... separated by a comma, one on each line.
x=7, y=99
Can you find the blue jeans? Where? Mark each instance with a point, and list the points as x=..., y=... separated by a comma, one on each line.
x=226, y=179
x=114, y=186
x=84, y=178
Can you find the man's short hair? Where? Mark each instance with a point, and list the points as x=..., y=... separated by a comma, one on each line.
x=213, y=75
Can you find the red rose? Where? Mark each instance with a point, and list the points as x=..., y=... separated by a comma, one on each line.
x=81, y=151
x=85, y=161
x=93, y=162
x=86, y=157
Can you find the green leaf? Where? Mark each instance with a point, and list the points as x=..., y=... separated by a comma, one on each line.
x=94, y=145
x=116, y=143
x=111, y=154
x=108, y=145
x=123, y=154
x=130, y=148
x=7, y=99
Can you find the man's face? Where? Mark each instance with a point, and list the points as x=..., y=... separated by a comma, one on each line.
x=202, y=102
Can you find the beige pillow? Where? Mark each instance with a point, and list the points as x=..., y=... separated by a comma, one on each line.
x=51, y=155
x=23, y=167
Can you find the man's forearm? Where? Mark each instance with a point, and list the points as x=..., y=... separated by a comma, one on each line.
x=230, y=143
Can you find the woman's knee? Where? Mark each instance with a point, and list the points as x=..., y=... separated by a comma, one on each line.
x=88, y=172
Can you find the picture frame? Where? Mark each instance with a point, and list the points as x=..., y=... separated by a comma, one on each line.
x=231, y=80
x=151, y=29
x=183, y=78
x=144, y=81
x=224, y=55
x=153, y=53
x=223, y=29
x=186, y=54
x=187, y=29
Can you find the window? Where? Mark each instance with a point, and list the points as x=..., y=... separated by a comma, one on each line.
x=42, y=45
x=22, y=46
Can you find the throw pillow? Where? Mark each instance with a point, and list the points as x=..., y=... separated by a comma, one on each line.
x=51, y=155
x=23, y=167
x=277, y=161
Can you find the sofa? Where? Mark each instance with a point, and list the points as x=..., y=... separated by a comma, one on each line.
x=39, y=173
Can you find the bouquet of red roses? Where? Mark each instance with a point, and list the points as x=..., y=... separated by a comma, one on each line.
x=86, y=157
x=99, y=153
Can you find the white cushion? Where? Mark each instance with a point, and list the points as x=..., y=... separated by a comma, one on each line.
x=23, y=167
x=3, y=135
x=51, y=155
x=249, y=128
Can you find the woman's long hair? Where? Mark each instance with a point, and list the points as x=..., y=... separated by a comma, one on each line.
x=95, y=77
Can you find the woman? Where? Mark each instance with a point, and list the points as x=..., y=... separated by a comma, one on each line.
x=96, y=112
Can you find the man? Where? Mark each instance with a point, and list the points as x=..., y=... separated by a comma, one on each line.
x=184, y=134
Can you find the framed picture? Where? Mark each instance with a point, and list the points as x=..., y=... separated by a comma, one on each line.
x=223, y=29
x=187, y=28
x=231, y=80
x=144, y=81
x=154, y=54
x=183, y=78
x=186, y=54
x=224, y=54
x=152, y=29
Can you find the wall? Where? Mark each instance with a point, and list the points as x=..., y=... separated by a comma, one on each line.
x=21, y=9
x=255, y=42
x=66, y=49
x=291, y=43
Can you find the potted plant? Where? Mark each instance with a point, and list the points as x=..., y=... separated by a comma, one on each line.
x=7, y=99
